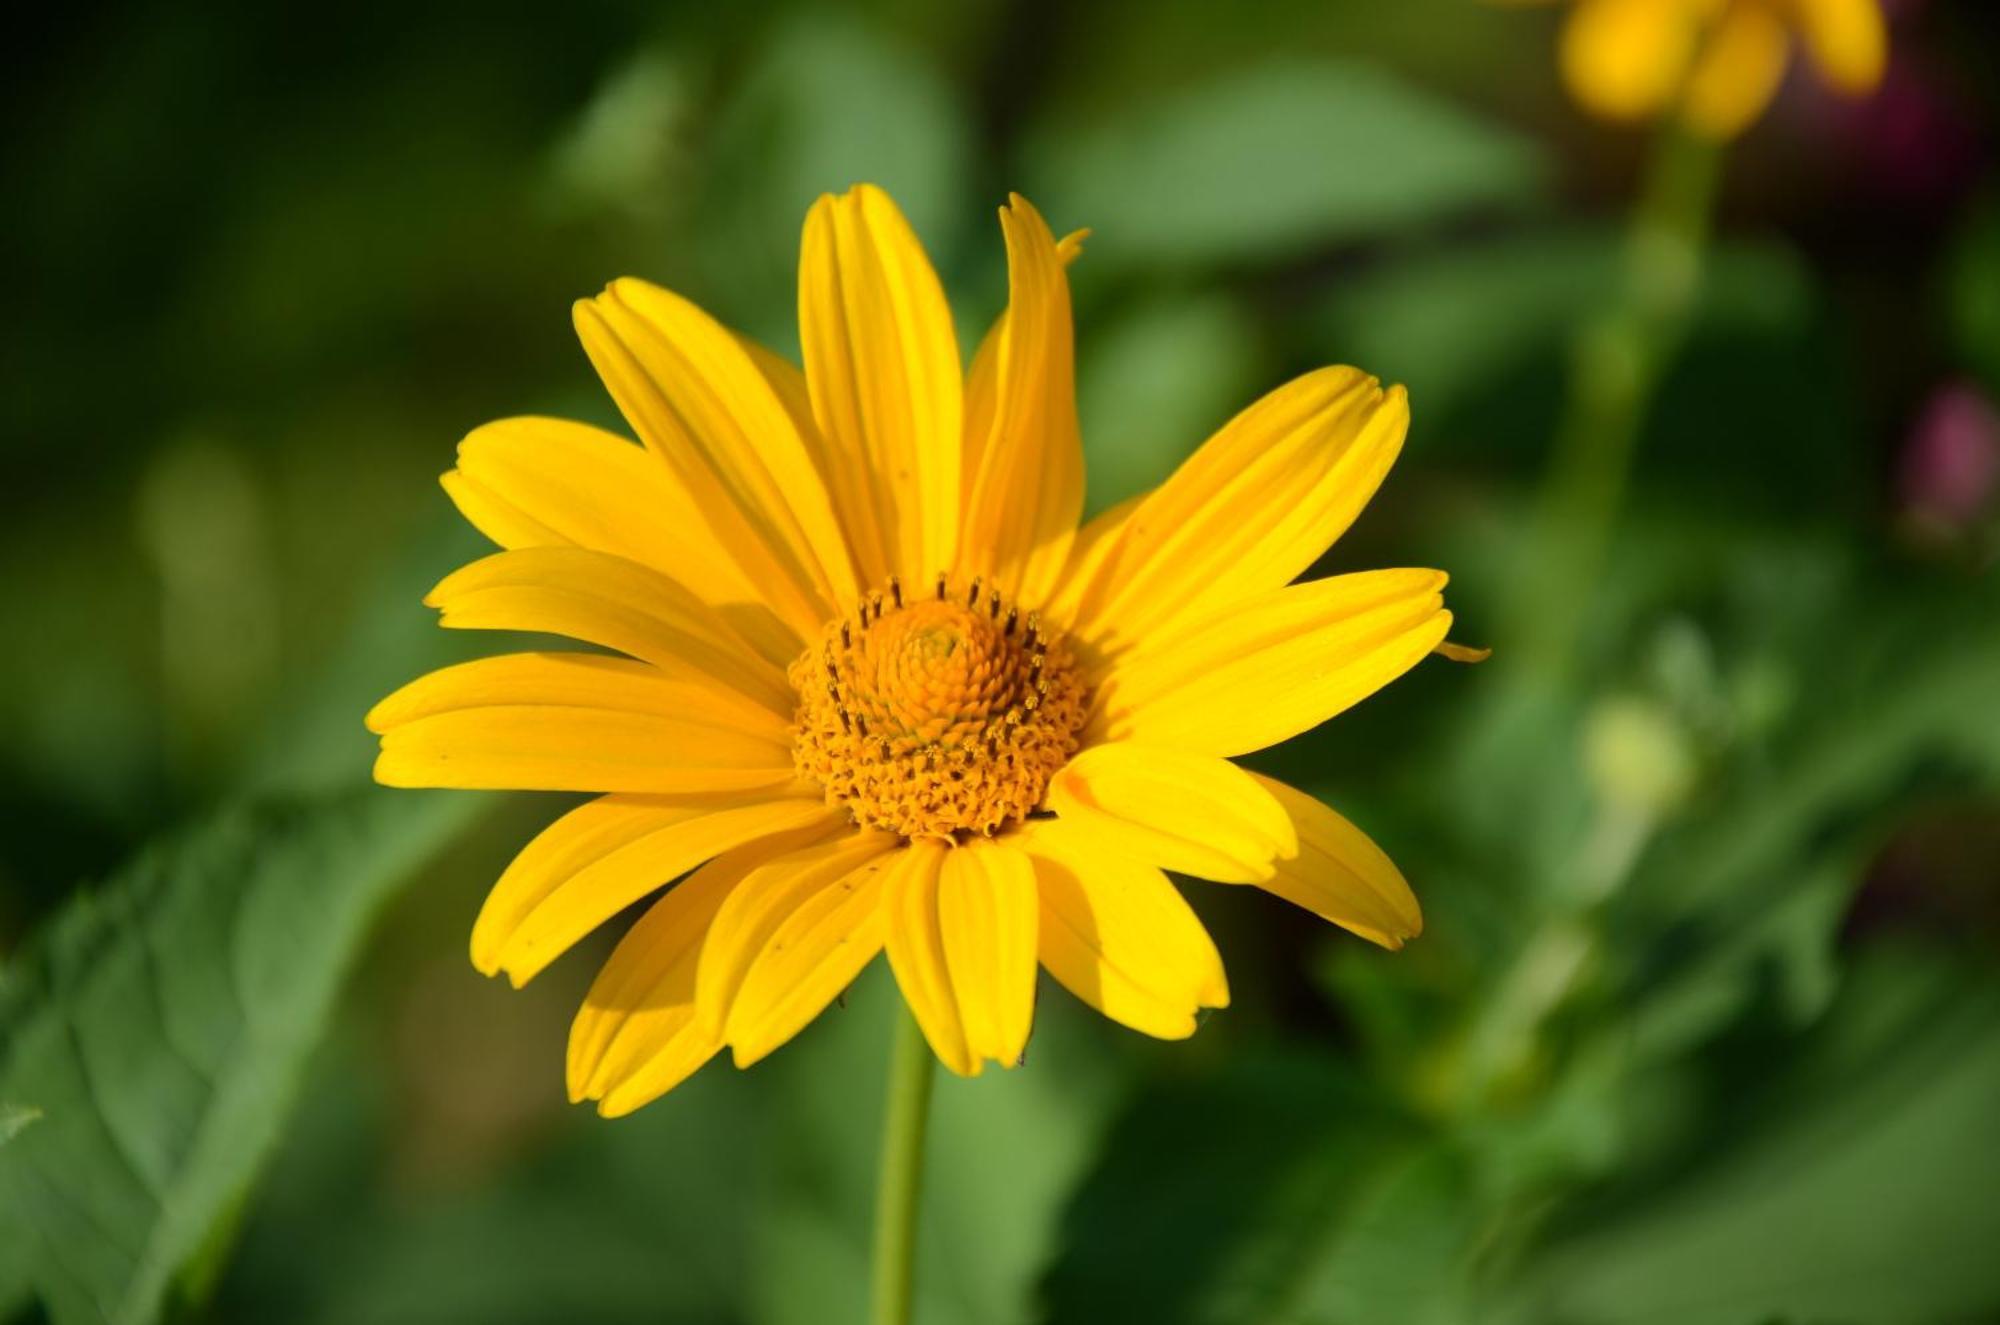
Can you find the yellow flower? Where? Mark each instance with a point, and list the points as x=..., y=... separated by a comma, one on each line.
x=1718, y=62
x=869, y=682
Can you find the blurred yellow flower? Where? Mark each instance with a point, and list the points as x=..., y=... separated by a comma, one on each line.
x=871, y=684
x=1719, y=62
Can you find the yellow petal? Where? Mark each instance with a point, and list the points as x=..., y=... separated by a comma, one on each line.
x=1095, y=545
x=882, y=366
x=726, y=399
x=1627, y=59
x=1737, y=72
x=643, y=1002
x=982, y=379
x=600, y=858
x=616, y=604
x=857, y=525
x=696, y=398
x=917, y=954
x=1116, y=934
x=1193, y=813
x=1847, y=40
x=765, y=901
x=535, y=482
x=494, y=516
x=1276, y=665
x=587, y=834
x=788, y=384
x=636, y=1036
x=1195, y=648
x=809, y=959
x=572, y=680
x=1340, y=875
x=987, y=914
x=1255, y=506
x=1025, y=489
x=542, y=747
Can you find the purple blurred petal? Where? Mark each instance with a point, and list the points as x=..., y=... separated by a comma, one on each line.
x=1950, y=464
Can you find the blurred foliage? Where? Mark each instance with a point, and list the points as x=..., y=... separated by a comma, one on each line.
x=1210, y=175
x=1703, y=1027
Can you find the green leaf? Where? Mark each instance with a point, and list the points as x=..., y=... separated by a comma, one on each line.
x=1975, y=293
x=14, y=1117
x=827, y=103
x=1881, y=719
x=1851, y=1179
x=1280, y=1189
x=1451, y=321
x=643, y=1219
x=1273, y=161
x=1153, y=385
x=159, y=1024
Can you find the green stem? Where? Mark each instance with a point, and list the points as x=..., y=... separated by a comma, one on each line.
x=1617, y=362
x=1619, y=357
x=905, y=1117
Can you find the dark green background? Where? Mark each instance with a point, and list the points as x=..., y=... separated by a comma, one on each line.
x=1706, y=1024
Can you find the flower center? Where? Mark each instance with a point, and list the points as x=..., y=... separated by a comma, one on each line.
x=936, y=716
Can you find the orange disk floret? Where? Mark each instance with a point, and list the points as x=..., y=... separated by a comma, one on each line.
x=937, y=716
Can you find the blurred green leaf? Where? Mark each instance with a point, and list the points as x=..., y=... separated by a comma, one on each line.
x=1849, y=1180
x=159, y=1024
x=1447, y=322
x=1274, y=161
x=643, y=1220
x=1282, y=1189
x=827, y=103
x=1885, y=725
x=1753, y=889
x=14, y=1117
x=1154, y=383
x=315, y=743
x=1974, y=291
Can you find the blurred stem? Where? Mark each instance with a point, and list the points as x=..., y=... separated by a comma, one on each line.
x=907, y=1113
x=1616, y=364
x=1617, y=361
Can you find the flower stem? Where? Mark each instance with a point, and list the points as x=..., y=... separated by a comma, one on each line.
x=1619, y=357
x=906, y=1114
x=1617, y=362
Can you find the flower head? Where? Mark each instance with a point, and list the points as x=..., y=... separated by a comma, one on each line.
x=867, y=685
x=1717, y=63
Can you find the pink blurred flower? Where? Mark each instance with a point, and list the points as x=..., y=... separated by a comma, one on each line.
x=1950, y=463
